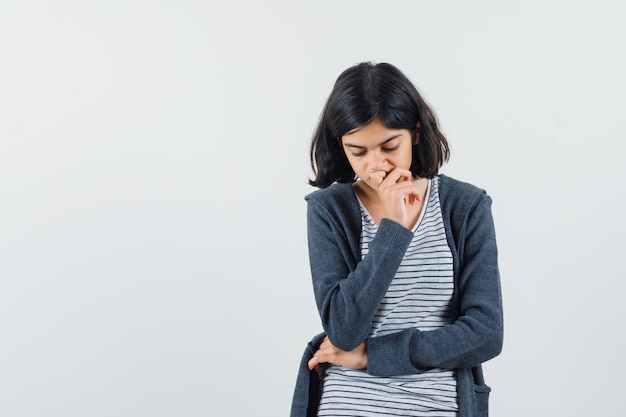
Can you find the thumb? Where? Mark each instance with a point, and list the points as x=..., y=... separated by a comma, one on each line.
x=378, y=177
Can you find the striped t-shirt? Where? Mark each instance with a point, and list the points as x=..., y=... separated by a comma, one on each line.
x=419, y=296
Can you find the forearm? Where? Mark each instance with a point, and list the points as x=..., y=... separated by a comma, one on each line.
x=464, y=344
x=349, y=296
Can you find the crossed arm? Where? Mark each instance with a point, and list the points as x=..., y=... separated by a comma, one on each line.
x=347, y=302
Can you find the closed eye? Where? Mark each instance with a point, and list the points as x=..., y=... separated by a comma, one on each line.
x=386, y=150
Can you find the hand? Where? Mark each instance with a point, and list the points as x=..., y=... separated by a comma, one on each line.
x=328, y=353
x=395, y=191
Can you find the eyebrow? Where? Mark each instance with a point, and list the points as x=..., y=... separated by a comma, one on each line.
x=351, y=145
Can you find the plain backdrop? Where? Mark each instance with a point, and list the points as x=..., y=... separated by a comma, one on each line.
x=154, y=160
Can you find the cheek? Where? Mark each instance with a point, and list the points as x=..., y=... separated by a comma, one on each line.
x=356, y=166
x=353, y=164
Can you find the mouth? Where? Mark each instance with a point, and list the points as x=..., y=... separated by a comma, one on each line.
x=378, y=176
x=381, y=172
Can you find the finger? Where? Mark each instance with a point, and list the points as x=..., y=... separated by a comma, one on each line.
x=313, y=362
x=404, y=189
x=323, y=351
x=317, y=359
x=378, y=177
x=414, y=196
x=399, y=175
x=409, y=189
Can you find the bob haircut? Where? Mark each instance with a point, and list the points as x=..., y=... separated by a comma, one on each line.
x=361, y=94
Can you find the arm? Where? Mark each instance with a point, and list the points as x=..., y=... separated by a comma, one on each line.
x=348, y=292
x=476, y=336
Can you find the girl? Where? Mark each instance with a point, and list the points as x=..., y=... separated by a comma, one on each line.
x=403, y=261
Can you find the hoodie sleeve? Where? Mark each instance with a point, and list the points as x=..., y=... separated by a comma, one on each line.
x=477, y=334
x=348, y=292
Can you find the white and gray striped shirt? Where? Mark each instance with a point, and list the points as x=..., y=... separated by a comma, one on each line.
x=419, y=296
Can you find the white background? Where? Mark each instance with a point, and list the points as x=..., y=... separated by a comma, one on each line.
x=154, y=160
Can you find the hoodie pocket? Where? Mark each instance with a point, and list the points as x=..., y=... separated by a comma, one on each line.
x=481, y=405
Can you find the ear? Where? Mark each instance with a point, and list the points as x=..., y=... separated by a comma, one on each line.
x=416, y=136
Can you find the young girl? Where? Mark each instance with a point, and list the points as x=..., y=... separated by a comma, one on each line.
x=403, y=261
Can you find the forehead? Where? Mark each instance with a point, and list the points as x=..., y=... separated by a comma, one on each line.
x=374, y=131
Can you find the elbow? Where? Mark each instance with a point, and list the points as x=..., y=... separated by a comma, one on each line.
x=489, y=347
x=492, y=333
x=345, y=336
x=488, y=341
x=495, y=343
x=499, y=343
x=344, y=324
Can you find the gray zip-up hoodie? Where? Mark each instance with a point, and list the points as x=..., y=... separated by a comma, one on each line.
x=348, y=292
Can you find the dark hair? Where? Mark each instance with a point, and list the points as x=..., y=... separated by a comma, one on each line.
x=361, y=94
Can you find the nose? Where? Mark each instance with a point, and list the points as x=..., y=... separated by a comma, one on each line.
x=377, y=160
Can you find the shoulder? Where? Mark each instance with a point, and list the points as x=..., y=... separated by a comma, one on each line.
x=458, y=198
x=337, y=194
x=452, y=188
x=336, y=205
